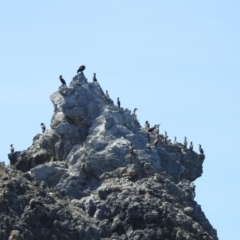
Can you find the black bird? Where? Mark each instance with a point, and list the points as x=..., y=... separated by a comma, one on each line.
x=185, y=143
x=152, y=128
x=147, y=125
x=175, y=141
x=107, y=95
x=11, y=148
x=62, y=80
x=94, y=77
x=118, y=102
x=81, y=69
x=156, y=130
x=165, y=137
x=148, y=146
x=43, y=127
x=200, y=149
x=134, y=112
x=131, y=148
x=191, y=146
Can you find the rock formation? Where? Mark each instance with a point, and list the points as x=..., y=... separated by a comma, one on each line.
x=79, y=181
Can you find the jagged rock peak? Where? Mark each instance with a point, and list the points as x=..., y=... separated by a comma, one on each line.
x=80, y=180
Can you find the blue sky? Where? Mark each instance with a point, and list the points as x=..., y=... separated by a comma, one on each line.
x=176, y=61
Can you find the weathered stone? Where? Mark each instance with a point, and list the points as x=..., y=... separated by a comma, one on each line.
x=188, y=211
x=80, y=180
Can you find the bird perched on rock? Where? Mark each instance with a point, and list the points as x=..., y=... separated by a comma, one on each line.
x=165, y=138
x=152, y=129
x=94, y=77
x=131, y=148
x=148, y=146
x=156, y=130
x=175, y=141
x=200, y=149
x=11, y=148
x=107, y=95
x=118, y=102
x=147, y=125
x=43, y=127
x=134, y=112
x=62, y=80
x=185, y=143
x=81, y=69
x=191, y=146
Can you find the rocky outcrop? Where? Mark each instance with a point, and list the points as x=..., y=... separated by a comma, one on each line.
x=78, y=179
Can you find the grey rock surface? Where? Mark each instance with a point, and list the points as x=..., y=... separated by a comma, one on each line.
x=78, y=179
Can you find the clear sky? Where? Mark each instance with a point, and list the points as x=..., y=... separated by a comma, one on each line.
x=176, y=61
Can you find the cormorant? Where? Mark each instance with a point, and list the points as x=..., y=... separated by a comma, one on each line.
x=165, y=137
x=118, y=102
x=191, y=146
x=107, y=95
x=43, y=127
x=94, y=77
x=62, y=80
x=175, y=141
x=131, y=148
x=11, y=148
x=148, y=146
x=157, y=129
x=152, y=128
x=147, y=125
x=134, y=112
x=185, y=143
x=200, y=149
x=81, y=69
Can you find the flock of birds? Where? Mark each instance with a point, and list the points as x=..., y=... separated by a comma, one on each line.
x=80, y=69
x=151, y=130
x=162, y=138
x=43, y=130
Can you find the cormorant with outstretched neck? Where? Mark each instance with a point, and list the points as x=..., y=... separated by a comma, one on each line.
x=43, y=127
x=147, y=125
x=62, y=80
x=185, y=142
x=94, y=77
x=131, y=148
x=81, y=69
x=152, y=128
x=191, y=146
x=134, y=112
x=118, y=102
x=11, y=148
x=200, y=149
